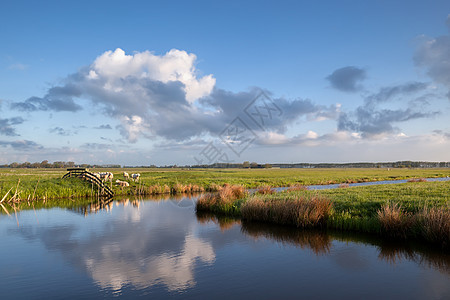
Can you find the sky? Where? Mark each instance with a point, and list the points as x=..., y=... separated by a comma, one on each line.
x=200, y=82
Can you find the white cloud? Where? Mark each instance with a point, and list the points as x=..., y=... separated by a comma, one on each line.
x=175, y=65
x=133, y=126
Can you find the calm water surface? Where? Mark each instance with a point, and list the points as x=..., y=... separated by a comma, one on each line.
x=160, y=249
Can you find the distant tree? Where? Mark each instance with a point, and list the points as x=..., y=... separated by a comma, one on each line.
x=253, y=165
x=246, y=164
x=267, y=166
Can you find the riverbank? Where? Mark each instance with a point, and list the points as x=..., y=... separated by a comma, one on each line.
x=415, y=210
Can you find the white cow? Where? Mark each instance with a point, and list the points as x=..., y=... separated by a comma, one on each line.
x=126, y=175
x=135, y=177
x=106, y=176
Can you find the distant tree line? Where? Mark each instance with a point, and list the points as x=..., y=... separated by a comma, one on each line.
x=244, y=165
x=54, y=165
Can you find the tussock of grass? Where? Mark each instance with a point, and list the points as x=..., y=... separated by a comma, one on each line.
x=225, y=201
x=436, y=225
x=297, y=187
x=417, y=180
x=395, y=222
x=432, y=224
x=264, y=190
x=301, y=212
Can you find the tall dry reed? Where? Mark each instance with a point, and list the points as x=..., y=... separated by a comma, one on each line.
x=265, y=190
x=222, y=201
x=395, y=223
x=301, y=212
x=435, y=224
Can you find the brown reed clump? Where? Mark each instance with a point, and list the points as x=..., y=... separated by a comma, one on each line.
x=214, y=188
x=223, y=201
x=417, y=180
x=435, y=223
x=301, y=212
x=297, y=187
x=394, y=222
x=232, y=192
x=344, y=185
x=264, y=190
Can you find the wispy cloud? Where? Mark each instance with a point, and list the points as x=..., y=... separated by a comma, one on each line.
x=7, y=126
x=61, y=131
x=22, y=145
x=371, y=120
x=60, y=98
x=103, y=126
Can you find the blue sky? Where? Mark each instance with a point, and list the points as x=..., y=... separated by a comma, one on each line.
x=138, y=83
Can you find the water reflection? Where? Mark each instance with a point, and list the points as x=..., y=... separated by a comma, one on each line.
x=224, y=223
x=161, y=247
x=396, y=253
x=123, y=251
x=317, y=241
x=179, y=200
x=321, y=242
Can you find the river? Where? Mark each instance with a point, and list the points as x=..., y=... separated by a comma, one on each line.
x=162, y=248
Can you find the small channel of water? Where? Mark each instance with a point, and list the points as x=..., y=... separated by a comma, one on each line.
x=162, y=248
x=335, y=186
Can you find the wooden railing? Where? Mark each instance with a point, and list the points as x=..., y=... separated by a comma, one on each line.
x=103, y=189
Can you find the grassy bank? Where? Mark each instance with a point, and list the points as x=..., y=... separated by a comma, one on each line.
x=47, y=183
x=401, y=211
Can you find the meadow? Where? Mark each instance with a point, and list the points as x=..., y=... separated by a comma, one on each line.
x=32, y=184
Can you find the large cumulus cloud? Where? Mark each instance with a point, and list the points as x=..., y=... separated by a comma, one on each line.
x=160, y=95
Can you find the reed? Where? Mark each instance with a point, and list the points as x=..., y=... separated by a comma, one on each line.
x=417, y=180
x=264, y=190
x=396, y=223
x=297, y=187
x=223, y=202
x=435, y=225
x=301, y=212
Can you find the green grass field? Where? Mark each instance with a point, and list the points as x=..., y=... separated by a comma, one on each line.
x=47, y=183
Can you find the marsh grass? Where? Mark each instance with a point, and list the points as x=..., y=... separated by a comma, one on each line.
x=264, y=190
x=301, y=212
x=435, y=225
x=297, y=187
x=395, y=222
x=416, y=180
x=416, y=210
x=225, y=201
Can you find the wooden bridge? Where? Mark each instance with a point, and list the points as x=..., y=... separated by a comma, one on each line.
x=103, y=189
